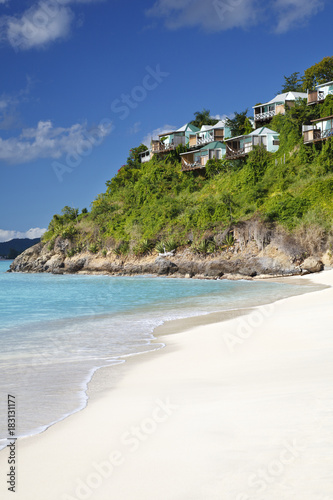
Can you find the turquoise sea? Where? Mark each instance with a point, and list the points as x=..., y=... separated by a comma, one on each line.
x=56, y=330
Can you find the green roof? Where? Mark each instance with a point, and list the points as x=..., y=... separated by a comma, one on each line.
x=214, y=145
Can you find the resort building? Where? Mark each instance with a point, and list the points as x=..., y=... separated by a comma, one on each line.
x=321, y=129
x=209, y=133
x=239, y=147
x=321, y=92
x=263, y=113
x=169, y=141
x=195, y=159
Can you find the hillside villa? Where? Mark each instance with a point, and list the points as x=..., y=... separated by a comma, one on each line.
x=321, y=129
x=209, y=133
x=238, y=147
x=263, y=113
x=169, y=141
x=192, y=160
x=320, y=93
x=212, y=142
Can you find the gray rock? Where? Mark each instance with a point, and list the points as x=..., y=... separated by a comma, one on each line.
x=165, y=267
x=75, y=266
x=312, y=265
x=216, y=268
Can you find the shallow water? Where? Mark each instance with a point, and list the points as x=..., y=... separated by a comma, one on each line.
x=56, y=330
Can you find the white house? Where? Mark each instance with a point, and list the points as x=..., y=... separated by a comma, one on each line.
x=209, y=133
x=239, y=147
x=321, y=92
x=321, y=129
x=169, y=141
x=198, y=158
x=265, y=112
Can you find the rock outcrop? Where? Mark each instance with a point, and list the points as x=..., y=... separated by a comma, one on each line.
x=247, y=262
x=312, y=265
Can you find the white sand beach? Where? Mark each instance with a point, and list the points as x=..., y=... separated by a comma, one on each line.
x=236, y=410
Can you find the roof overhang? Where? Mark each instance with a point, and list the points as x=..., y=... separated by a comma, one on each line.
x=322, y=119
x=190, y=152
x=324, y=84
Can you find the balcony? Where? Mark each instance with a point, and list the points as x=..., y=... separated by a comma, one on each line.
x=234, y=154
x=205, y=140
x=316, y=134
x=315, y=96
x=159, y=147
x=186, y=166
x=267, y=115
x=215, y=135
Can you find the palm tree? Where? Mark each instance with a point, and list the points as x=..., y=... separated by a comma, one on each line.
x=203, y=118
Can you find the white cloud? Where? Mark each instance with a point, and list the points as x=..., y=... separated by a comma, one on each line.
x=35, y=232
x=223, y=117
x=155, y=133
x=38, y=26
x=220, y=15
x=216, y=15
x=292, y=13
x=43, y=23
x=46, y=141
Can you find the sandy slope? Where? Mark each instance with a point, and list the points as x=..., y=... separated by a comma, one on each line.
x=239, y=410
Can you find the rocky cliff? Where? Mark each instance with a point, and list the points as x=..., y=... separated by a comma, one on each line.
x=233, y=262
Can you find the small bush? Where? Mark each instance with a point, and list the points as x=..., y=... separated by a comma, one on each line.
x=144, y=247
x=93, y=248
x=51, y=244
x=122, y=248
x=204, y=247
x=160, y=247
x=229, y=240
x=68, y=233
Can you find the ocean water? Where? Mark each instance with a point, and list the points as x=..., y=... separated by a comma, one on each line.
x=56, y=330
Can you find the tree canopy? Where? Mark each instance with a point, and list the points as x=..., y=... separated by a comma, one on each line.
x=203, y=118
x=240, y=124
x=292, y=83
x=319, y=73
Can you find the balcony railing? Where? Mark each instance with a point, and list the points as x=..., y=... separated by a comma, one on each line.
x=205, y=140
x=317, y=96
x=186, y=165
x=233, y=154
x=317, y=134
x=159, y=147
x=327, y=133
x=264, y=116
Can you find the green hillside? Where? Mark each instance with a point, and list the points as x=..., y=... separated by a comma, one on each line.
x=156, y=202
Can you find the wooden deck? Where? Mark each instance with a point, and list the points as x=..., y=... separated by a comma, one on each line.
x=315, y=96
x=317, y=135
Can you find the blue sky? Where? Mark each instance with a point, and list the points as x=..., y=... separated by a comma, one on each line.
x=83, y=81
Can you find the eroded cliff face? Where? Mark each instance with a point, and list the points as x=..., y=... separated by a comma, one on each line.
x=235, y=262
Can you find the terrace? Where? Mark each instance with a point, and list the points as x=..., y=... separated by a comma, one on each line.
x=320, y=131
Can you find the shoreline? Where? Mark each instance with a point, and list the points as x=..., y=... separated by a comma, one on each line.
x=104, y=383
x=152, y=344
